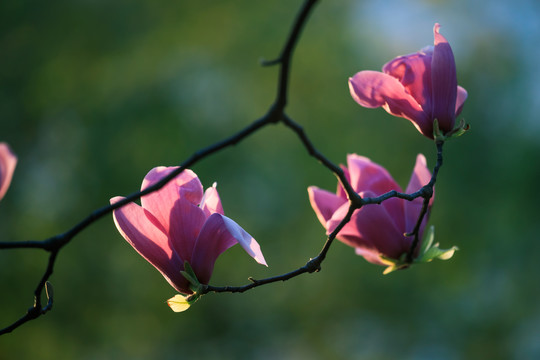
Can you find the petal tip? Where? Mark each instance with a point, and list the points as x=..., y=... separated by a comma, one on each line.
x=116, y=199
x=438, y=38
x=421, y=159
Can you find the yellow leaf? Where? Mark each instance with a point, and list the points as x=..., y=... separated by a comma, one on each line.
x=178, y=303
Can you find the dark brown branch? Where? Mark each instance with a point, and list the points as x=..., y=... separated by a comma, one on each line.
x=427, y=194
x=313, y=265
x=355, y=202
x=274, y=115
x=299, y=131
x=286, y=54
x=36, y=310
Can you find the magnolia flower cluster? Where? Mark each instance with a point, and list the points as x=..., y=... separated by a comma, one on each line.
x=181, y=229
x=421, y=87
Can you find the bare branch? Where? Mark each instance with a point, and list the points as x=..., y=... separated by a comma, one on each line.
x=274, y=115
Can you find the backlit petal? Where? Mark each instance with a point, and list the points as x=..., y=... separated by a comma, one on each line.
x=186, y=185
x=461, y=97
x=414, y=73
x=369, y=176
x=324, y=203
x=186, y=222
x=373, y=89
x=139, y=229
x=8, y=161
x=340, y=190
x=211, y=202
x=371, y=255
x=248, y=243
x=217, y=235
x=444, y=82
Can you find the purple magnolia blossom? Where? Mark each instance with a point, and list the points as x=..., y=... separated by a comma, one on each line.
x=419, y=87
x=373, y=230
x=179, y=223
x=8, y=161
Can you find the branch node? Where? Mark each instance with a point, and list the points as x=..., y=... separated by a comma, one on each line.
x=427, y=191
x=313, y=265
x=356, y=201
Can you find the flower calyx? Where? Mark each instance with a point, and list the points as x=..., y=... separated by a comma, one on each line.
x=179, y=302
x=428, y=252
x=459, y=130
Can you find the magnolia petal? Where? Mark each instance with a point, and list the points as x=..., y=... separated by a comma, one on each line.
x=377, y=226
x=324, y=203
x=373, y=89
x=217, y=235
x=335, y=220
x=369, y=176
x=211, y=202
x=186, y=222
x=371, y=255
x=419, y=177
x=340, y=190
x=186, y=185
x=461, y=97
x=414, y=73
x=371, y=228
x=212, y=241
x=142, y=231
x=250, y=245
x=444, y=82
x=8, y=161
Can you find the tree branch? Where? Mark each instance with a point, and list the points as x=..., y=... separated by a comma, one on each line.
x=355, y=203
x=274, y=115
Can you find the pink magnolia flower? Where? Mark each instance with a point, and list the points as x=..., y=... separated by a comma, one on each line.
x=419, y=87
x=373, y=230
x=8, y=161
x=179, y=223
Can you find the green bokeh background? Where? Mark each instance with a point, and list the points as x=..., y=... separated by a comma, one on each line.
x=93, y=94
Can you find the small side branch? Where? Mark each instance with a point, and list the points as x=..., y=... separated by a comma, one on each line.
x=273, y=115
x=313, y=265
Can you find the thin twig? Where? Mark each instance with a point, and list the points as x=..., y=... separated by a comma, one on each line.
x=273, y=115
x=314, y=264
x=427, y=194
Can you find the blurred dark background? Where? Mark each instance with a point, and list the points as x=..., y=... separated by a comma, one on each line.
x=93, y=94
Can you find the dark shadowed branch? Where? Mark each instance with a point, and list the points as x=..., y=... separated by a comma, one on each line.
x=275, y=114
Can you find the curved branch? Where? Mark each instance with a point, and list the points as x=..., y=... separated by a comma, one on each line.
x=274, y=115
x=355, y=202
x=313, y=265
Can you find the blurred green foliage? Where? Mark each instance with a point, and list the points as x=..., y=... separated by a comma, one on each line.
x=93, y=94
